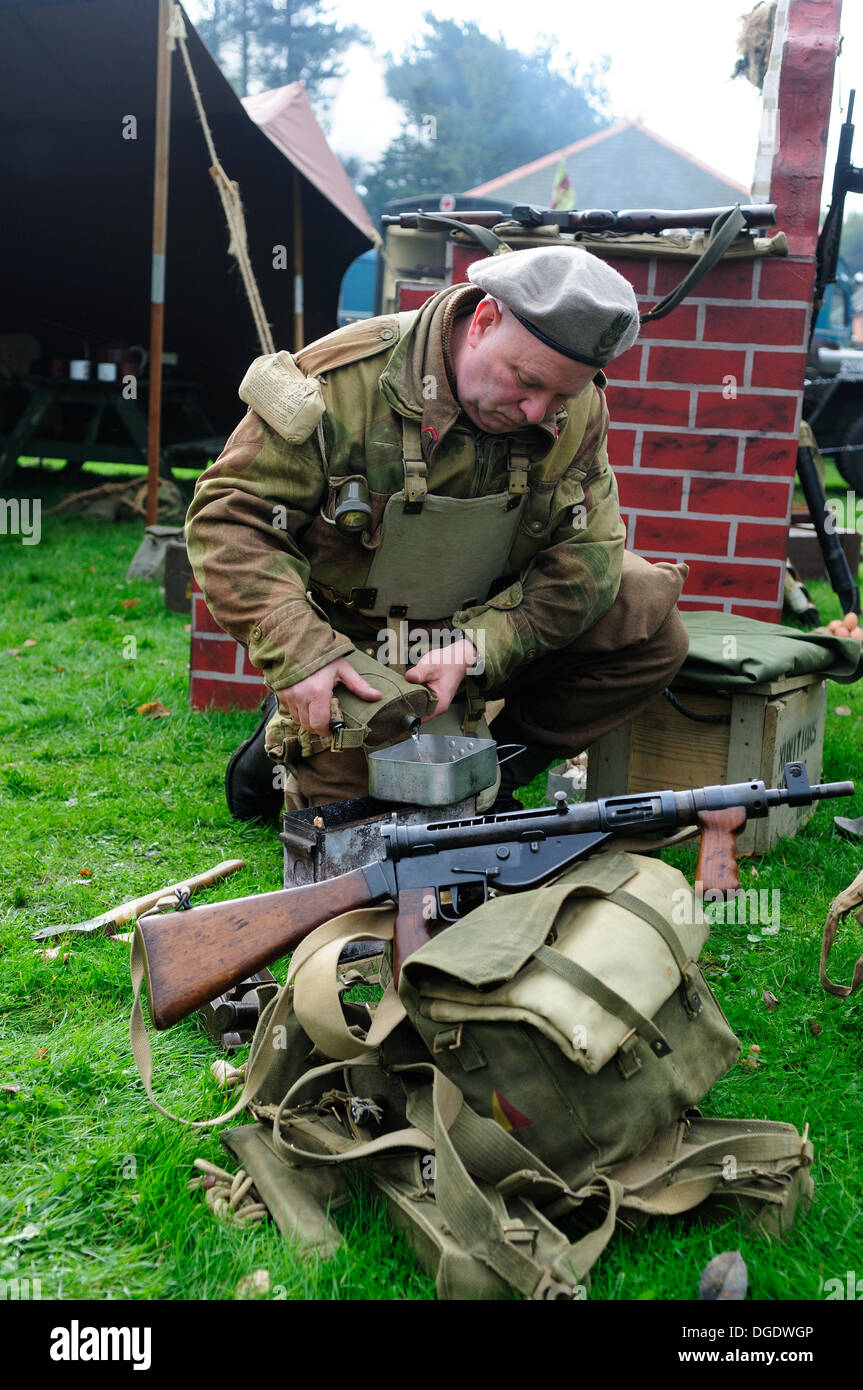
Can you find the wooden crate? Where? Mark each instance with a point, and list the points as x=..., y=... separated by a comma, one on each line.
x=771, y=724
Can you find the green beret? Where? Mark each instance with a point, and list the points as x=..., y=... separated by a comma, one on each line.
x=572, y=301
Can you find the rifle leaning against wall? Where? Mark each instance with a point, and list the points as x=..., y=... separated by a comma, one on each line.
x=846, y=179
x=437, y=872
x=725, y=225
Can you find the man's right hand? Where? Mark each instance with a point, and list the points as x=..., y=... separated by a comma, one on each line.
x=308, y=702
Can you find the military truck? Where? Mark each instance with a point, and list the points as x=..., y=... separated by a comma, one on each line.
x=833, y=391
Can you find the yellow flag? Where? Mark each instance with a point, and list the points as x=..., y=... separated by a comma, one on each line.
x=562, y=193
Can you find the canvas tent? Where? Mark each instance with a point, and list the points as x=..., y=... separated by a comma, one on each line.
x=75, y=231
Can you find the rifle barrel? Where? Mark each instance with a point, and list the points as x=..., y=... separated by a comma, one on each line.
x=657, y=811
x=588, y=219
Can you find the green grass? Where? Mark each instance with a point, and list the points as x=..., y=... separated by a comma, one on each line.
x=87, y=783
x=97, y=472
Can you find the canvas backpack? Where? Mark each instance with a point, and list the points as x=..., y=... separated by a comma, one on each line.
x=531, y=1084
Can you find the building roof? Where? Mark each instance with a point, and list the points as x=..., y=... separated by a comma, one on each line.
x=625, y=166
x=285, y=115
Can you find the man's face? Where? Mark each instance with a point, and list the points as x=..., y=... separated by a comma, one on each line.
x=507, y=378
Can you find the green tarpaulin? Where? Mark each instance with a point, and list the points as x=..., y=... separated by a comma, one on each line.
x=728, y=652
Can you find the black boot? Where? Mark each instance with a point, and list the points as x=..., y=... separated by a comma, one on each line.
x=249, y=784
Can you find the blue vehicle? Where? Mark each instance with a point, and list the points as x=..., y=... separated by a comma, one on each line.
x=357, y=293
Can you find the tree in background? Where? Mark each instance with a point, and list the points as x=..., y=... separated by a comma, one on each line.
x=267, y=43
x=475, y=108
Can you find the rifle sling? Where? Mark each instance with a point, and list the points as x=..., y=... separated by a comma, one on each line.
x=723, y=232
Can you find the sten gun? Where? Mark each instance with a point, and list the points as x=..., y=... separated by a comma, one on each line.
x=437, y=872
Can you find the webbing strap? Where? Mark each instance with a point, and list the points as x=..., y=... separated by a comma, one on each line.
x=841, y=906
x=724, y=230
x=474, y=705
x=604, y=996
x=348, y=1149
x=656, y=920
x=317, y=998
x=486, y=238
x=671, y=1176
x=257, y=1067
x=474, y=1220
x=416, y=469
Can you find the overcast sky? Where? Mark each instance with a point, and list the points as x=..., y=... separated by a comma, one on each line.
x=670, y=67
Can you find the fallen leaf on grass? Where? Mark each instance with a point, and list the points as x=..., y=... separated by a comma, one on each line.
x=130, y=603
x=842, y=709
x=188, y=627
x=752, y=1058
x=164, y=661
x=30, y=642
x=155, y=709
x=814, y=1027
x=11, y=1087
x=12, y=651
x=41, y=1053
x=85, y=873
x=724, y=1277
x=53, y=953
x=59, y=668
x=770, y=999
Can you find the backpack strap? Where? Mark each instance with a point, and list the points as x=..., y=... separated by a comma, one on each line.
x=500, y=1224
x=317, y=988
x=841, y=906
x=748, y=1161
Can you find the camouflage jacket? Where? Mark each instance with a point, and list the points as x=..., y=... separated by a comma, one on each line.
x=260, y=547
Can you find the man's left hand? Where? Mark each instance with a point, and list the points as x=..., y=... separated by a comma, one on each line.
x=443, y=669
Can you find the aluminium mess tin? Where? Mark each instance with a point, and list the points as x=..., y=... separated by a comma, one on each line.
x=433, y=769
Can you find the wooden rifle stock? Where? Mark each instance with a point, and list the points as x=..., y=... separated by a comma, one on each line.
x=411, y=927
x=716, y=870
x=193, y=956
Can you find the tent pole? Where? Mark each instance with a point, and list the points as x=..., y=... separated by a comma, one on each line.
x=299, y=338
x=157, y=282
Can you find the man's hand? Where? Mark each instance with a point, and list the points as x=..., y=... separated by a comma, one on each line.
x=308, y=702
x=443, y=669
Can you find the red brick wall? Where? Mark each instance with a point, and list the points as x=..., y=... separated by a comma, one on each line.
x=220, y=673
x=704, y=414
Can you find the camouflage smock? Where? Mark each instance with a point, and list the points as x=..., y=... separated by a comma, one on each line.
x=259, y=546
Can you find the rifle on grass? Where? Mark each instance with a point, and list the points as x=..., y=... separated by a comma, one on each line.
x=435, y=873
